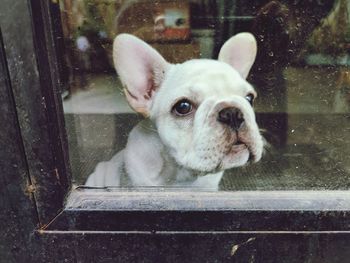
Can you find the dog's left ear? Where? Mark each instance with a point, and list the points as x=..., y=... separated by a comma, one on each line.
x=239, y=52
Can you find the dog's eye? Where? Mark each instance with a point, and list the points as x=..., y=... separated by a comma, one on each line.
x=182, y=107
x=250, y=98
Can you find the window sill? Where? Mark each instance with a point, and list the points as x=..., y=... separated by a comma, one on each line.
x=187, y=211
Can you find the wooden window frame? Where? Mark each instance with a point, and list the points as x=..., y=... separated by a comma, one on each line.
x=128, y=217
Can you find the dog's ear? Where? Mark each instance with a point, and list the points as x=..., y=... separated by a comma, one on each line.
x=140, y=68
x=240, y=52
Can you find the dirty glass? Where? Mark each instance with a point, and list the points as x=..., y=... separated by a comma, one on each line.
x=301, y=76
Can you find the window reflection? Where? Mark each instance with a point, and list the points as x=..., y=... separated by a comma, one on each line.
x=301, y=75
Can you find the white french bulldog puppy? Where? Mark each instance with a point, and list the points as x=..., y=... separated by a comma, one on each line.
x=200, y=117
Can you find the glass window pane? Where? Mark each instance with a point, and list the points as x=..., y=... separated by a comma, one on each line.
x=301, y=76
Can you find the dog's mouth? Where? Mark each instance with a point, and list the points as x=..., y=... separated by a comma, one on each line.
x=236, y=155
x=239, y=142
x=239, y=147
x=242, y=146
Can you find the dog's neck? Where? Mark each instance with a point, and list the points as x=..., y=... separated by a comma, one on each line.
x=169, y=173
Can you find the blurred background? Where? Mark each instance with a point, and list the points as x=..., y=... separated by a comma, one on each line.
x=301, y=74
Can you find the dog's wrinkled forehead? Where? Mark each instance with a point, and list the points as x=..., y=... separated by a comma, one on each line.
x=201, y=79
x=147, y=76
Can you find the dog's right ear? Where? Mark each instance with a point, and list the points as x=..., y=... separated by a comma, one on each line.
x=239, y=52
x=140, y=68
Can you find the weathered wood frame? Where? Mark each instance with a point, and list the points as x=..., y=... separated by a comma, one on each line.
x=109, y=226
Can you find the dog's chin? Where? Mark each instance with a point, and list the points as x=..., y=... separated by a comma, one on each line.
x=238, y=155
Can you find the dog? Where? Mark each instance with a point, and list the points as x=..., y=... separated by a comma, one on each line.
x=200, y=119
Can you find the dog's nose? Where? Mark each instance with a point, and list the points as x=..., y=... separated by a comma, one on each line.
x=232, y=117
